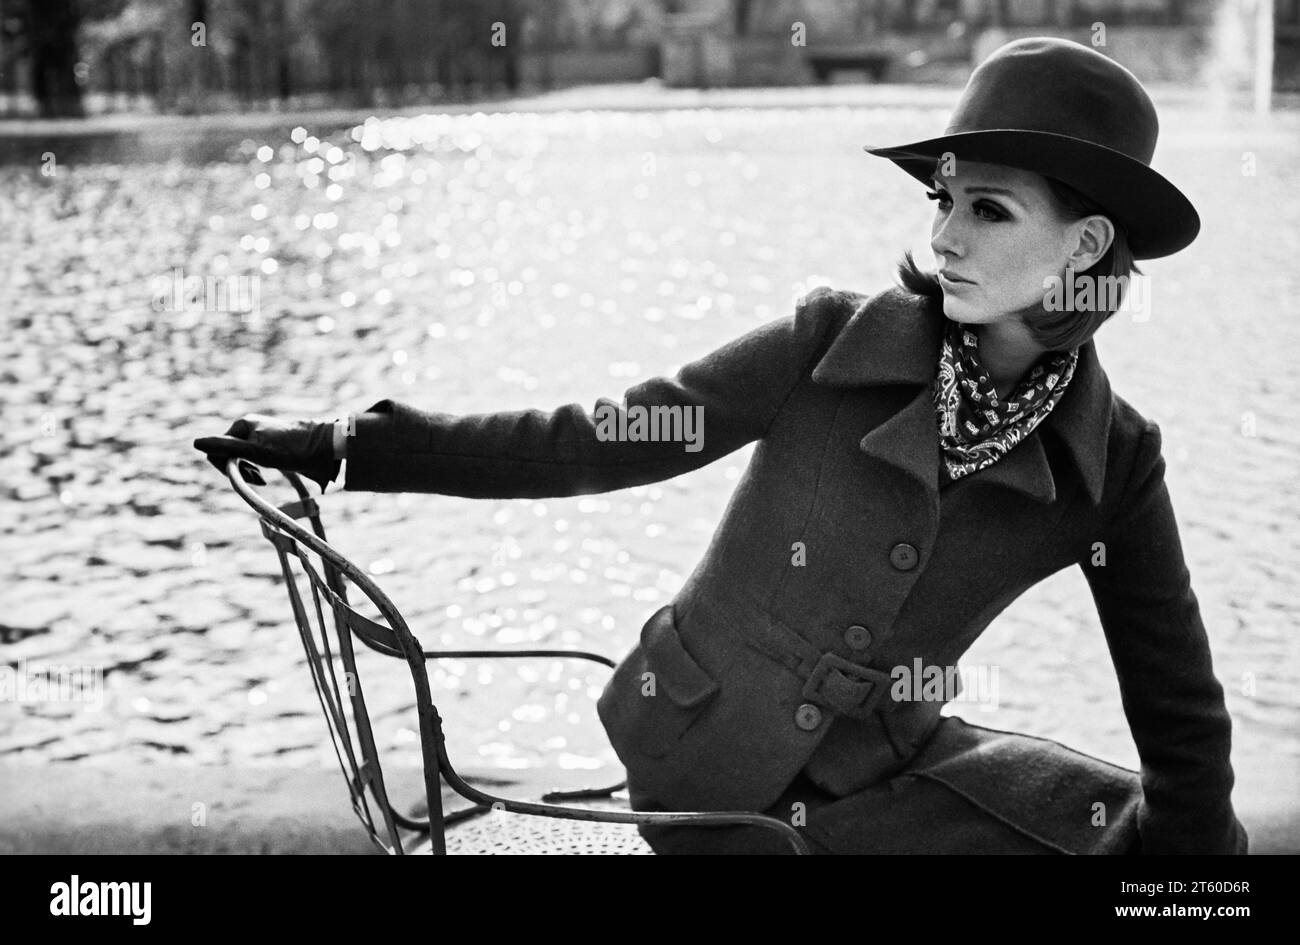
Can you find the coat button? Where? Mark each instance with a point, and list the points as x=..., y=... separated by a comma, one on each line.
x=857, y=637
x=807, y=716
x=903, y=556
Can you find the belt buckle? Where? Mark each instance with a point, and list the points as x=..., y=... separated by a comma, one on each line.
x=848, y=681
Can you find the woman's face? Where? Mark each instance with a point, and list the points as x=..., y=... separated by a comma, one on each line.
x=997, y=236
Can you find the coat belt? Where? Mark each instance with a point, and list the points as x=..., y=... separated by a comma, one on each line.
x=830, y=681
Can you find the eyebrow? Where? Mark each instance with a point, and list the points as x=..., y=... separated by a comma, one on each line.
x=982, y=190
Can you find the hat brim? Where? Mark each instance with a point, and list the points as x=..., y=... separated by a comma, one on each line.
x=1156, y=216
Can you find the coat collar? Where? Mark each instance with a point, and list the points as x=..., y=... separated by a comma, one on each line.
x=895, y=337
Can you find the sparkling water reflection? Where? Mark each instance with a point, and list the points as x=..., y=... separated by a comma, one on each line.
x=473, y=263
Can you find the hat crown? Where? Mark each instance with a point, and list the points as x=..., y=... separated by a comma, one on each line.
x=1057, y=86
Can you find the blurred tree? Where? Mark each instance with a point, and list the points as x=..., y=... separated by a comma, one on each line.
x=53, y=57
x=743, y=10
x=149, y=53
x=200, y=76
x=281, y=45
x=12, y=44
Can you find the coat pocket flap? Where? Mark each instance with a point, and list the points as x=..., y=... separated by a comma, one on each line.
x=675, y=669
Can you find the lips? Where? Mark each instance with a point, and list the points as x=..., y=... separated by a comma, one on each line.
x=953, y=277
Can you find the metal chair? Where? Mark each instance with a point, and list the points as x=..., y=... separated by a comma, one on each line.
x=605, y=827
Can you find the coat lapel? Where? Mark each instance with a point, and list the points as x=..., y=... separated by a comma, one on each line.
x=894, y=338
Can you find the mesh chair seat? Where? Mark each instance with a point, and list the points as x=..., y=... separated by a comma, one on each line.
x=498, y=833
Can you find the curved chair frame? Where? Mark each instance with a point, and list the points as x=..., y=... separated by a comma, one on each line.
x=360, y=761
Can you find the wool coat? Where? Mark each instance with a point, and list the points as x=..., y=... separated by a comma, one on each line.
x=844, y=555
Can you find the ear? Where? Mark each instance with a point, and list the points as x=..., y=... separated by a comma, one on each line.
x=1095, y=234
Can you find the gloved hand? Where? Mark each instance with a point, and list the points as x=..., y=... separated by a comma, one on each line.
x=301, y=446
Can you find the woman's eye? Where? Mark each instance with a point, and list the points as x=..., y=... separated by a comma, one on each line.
x=985, y=211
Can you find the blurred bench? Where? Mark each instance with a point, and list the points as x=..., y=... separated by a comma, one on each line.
x=824, y=62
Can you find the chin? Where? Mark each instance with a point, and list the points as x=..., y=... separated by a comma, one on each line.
x=961, y=310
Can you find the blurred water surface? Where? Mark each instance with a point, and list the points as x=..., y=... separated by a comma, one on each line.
x=474, y=263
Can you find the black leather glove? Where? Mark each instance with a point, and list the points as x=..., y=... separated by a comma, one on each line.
x=301, y=446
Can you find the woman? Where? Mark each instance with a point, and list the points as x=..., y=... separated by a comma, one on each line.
x=924, y=456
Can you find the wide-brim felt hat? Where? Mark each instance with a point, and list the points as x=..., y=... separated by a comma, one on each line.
x=1067, y=111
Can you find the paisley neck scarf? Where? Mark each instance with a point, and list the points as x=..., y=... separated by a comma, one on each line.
x=976, y=427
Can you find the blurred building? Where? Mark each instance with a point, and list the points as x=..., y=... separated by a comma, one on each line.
x=66, y=57
x=741, y=42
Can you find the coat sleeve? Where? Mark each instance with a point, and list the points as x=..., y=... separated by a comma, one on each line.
x=734, y=393
x=1173, y=702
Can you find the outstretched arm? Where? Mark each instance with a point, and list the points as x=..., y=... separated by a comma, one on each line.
x=1173, y=702
x=728, y=397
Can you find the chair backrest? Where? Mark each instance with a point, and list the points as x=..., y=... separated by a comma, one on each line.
x=317, y=578
x=314, y=590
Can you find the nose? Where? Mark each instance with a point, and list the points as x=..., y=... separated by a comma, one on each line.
x=946, y=238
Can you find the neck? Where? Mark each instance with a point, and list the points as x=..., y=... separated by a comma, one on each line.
x=1007, y=353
